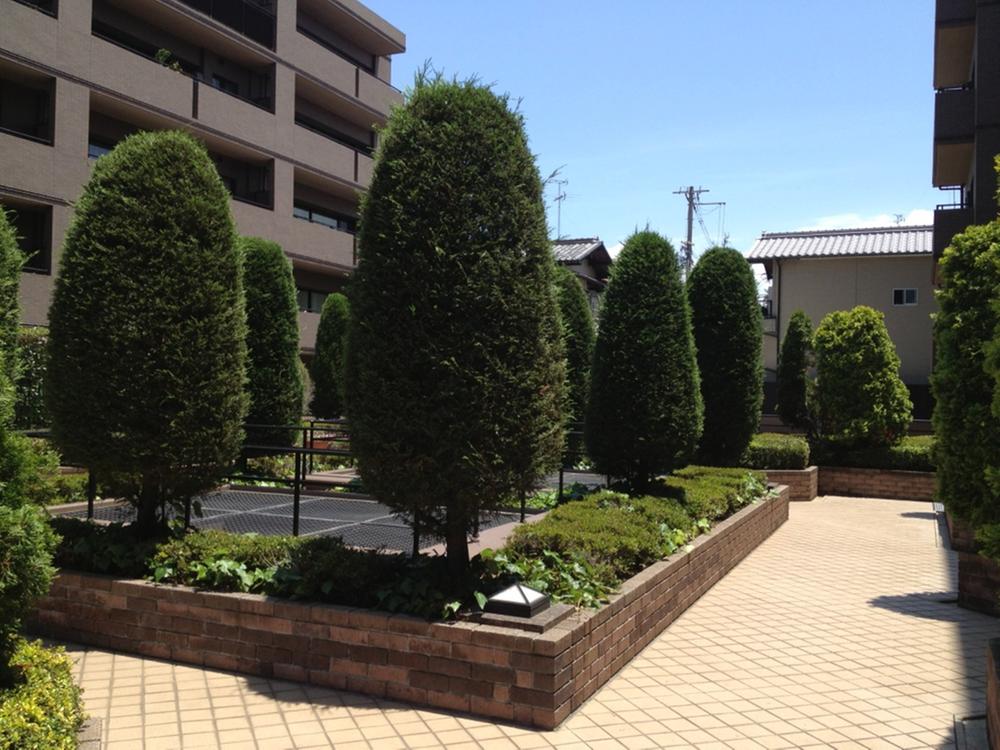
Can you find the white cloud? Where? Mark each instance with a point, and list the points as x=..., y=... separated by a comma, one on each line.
x=918, y=216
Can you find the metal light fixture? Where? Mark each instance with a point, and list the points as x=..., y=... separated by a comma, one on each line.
x=517, y=601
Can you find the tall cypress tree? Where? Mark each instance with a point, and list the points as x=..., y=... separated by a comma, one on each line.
x=645, y=412
x=147, y=325
x=727, y=325
x=274, y=383
x=455, y=371
x=327, y=367
x=794, y=362
x=578, y=338
x=11, y=260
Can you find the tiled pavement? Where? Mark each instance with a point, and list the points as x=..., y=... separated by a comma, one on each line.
x=833, y=633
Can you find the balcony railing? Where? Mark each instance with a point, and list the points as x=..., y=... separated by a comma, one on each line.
x=251, y=18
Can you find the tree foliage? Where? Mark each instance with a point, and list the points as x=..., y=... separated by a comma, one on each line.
x=327, y=368
x=11, y=261
x=860, y=397
x=727, y=325
x=274, y=383
x=455, y=370
x=794, y=362
x=645, y=411
x=967, y=431
x=578, y=339
x=147, y=324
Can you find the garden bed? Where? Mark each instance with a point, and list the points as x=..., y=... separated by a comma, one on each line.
x=531, y=678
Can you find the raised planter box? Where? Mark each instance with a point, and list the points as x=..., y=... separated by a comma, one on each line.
x=978, y=583
x=993, y=693
x=806, y=484
x=531, y=678
x=803, y=484
x=899, y=485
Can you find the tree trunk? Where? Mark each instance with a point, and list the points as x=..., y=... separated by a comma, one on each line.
x=145, y=522
x=457, y=543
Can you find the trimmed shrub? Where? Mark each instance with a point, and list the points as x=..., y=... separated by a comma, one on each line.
x=29, y=391
x=327, y=367
x=713, y=493
x=771, y=450
x=967, y=431
x=794, y=362
x=859, y=394
x=914, y=453
x=726, y=322
x=112, y=549
x=578, y=339
x=274, y=384
x=44, y=710
x=26, y=546
x=645, y=411
x=455, y=373
x=147, y=324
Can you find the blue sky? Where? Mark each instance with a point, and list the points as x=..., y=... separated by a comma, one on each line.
x=797, y=113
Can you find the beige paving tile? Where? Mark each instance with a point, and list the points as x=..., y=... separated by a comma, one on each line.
x=830, y=634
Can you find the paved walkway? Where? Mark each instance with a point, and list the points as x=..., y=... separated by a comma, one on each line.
x=833, y=633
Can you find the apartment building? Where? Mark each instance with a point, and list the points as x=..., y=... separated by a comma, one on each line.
x=285, y=94
x=966, y=114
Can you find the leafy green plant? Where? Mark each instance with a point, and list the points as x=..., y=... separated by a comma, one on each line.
x=26, y=546
x=967, y=429
x=43, y=710
x=455, y=371
x=568, y=580
x=97, y=548
x=859, y=394
x=726, y=321
x=645, y=411
x=772, y=450
x=147, y=328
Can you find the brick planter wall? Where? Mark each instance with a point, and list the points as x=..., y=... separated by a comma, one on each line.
x=530, y=678
x=900, y=485
x=803, y=484
x=993, y=693
x=978, y=583
x=961, y=534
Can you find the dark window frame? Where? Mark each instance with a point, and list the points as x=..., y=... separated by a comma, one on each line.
x=40, y=261
x=902, y=294
x=310, y=307
x=54, y=13
x=327, y=131
x=327, y=45
x=48, y=90
x=311, y=210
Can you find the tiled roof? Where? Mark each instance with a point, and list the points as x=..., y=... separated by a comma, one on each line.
x=575, y=250
x=902, y=240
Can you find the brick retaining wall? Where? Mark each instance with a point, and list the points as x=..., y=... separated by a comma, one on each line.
x=530, y=678
x=978, y=583
x=901, y=485
x=803, y=484
x=993, y=693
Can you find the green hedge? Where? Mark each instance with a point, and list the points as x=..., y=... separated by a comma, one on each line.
x=43, y=711
x=914, y=453
x=712, y=493
x=772, y=450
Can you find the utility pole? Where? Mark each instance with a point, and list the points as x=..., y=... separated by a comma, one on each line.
x=692, y=194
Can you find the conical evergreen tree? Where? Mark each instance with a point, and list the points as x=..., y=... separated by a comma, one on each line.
x=147, y=326
x=727, y=325
x=455, y=370
x=578, y=338
x=794, y=362
x=327, y=367
x=645, y=411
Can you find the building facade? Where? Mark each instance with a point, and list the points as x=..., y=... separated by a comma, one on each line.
x=887, y=269
x=589, y=259
x=285, y=94
x=966, y=114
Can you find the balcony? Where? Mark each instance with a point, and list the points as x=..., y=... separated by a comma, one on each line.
x=253, y=19
x=376, y=93
x=949, y=221
x=236, y=116
x=318, y=246
x=954, y=115
x=139, y=78
x=323, y=154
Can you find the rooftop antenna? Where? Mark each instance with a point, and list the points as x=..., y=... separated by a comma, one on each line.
x=898, y=219
x=560, y=197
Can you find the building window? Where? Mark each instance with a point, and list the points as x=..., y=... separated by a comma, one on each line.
x=224, y=84
x=311, y=301
x=33, y=227
x=26, y=109
x=251, y=18
x=334, y=134
x=331, y=219
x=250, y=183
x=904, y=297
x=98, y=148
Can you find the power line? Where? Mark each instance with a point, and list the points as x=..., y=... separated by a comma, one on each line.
x=693, y=197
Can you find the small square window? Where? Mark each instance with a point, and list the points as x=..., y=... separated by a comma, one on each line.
x=904, y=297
x=33, y=227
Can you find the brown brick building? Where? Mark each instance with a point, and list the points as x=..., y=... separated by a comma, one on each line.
x=284, y=93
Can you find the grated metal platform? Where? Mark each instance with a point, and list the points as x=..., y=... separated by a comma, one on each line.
x=360, y=523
